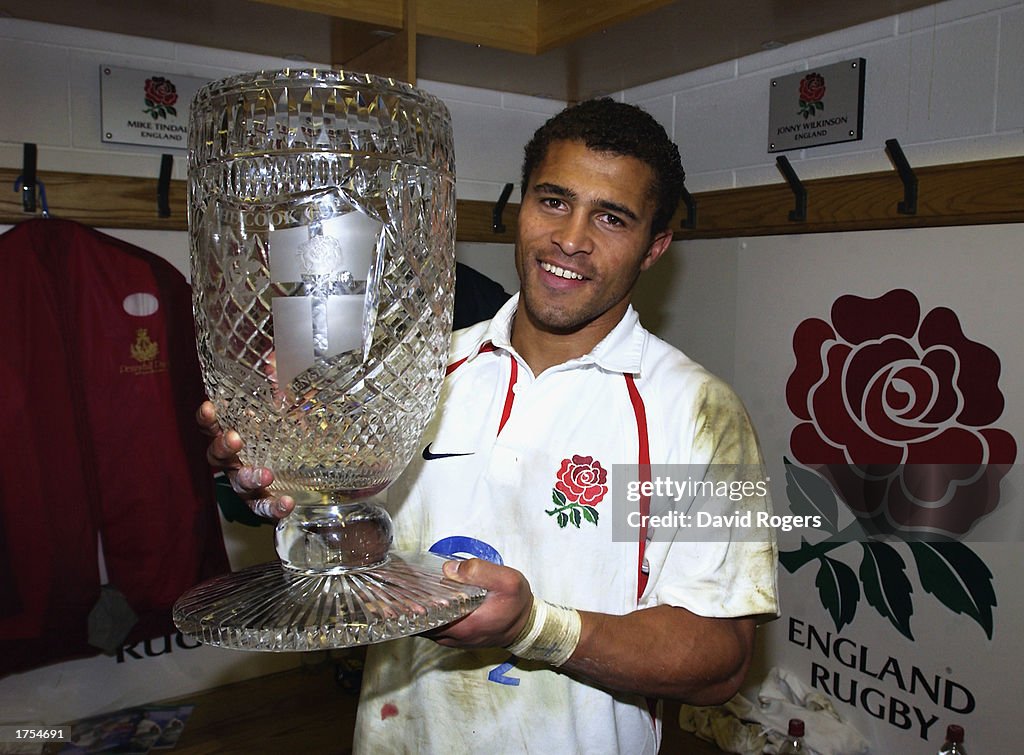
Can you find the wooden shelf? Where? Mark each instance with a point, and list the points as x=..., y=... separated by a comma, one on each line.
x=990, y=191
x=98, y=200
x=971, y=193
x=106, y=201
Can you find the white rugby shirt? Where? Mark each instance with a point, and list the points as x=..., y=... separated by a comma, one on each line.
x=486, y=485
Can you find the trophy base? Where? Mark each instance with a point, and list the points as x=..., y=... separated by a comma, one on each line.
x=274, y=609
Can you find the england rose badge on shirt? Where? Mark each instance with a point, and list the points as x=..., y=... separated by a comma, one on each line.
x=581, y=483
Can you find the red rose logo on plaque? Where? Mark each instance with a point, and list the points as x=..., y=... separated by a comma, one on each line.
x=161, y=95
x=812, y=94
x=896, y=419
x=581, y=482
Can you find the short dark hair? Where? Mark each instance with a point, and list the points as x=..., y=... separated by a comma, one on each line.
x=605, y=125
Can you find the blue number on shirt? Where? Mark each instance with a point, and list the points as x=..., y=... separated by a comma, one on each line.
x=460, y=546
x=498, y=673
x=466, y=547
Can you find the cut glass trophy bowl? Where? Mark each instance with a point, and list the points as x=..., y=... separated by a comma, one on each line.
x=322, y=234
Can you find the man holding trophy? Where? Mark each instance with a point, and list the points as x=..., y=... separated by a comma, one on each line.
x=578, y=629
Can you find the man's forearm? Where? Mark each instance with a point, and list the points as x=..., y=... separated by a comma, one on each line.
x=665, y=651
x=662, y=651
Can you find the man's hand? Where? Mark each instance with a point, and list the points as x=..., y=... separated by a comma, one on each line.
x=500, y=618
x=249, y=482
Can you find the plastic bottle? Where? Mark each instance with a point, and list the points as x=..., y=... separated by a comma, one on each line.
x=954, y=744
x=794, y=744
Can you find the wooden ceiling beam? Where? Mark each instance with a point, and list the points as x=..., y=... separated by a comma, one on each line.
x=560, y=22
x=364, y=47
x=501, y=24
x=525, y=26
x=387, y=13
x=350, y=39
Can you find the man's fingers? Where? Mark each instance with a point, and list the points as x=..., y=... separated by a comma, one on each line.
x=476, y=571
x=223, y=450
x=248, y=480
x=206, y=417
x=272, y=508
x=249, y=483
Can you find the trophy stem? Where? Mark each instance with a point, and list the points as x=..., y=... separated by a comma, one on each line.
x=338, y=584
x=334, y=535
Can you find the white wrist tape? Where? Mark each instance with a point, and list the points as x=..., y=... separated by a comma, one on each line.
x=551, y=634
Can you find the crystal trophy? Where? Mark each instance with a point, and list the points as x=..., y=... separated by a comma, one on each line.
x=322, y=233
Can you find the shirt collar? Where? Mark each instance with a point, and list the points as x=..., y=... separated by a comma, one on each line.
x=621, y=350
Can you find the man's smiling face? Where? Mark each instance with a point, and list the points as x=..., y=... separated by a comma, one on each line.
x=584, y=236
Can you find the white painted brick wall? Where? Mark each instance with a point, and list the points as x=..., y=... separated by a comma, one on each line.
x=945, y=80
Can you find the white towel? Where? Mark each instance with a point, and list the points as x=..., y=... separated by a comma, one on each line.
x=753, y=728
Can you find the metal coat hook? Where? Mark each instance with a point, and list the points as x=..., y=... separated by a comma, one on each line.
x=799, y=213
x=42, y=199
x=690, y=221
x=27, y=179
x=496, y=224
x=909, y=204
x=163, y=186
x=42, y=195
x=28, y=184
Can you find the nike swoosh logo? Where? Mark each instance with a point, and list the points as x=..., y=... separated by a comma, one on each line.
x=428, y=455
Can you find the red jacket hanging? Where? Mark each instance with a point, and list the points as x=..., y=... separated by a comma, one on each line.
x=100, y=383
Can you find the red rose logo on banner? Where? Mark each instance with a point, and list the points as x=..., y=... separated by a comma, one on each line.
x=161, y=94
x=898, y=413
x=581, y=483
x=812, y=92
x=896, y=419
